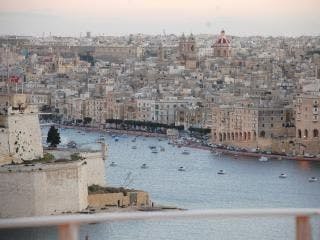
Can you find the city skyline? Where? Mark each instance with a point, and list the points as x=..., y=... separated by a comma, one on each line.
x=244, y=18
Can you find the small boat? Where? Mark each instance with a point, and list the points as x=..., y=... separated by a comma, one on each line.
x=134, y=147
x=263, y=159
x=221, y=172
x=154, y=150
x=113, y=164
x=134, y=140
x=144, y=166
x=116, y=139
x=72, y=144
x=162, y=149
x=159, y=139
x=313, y=179
x=283, y=175
x=181, y=169
x=185, y=152
x=152, y=147
x=101, y=138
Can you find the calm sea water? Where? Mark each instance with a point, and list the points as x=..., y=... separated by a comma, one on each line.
x=247, y=183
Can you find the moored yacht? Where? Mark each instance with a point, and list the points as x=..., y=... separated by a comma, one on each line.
x=181, y=169
x=283, y=175
x=263, y=159
x=154, y=150
x=313, y=179
x=144, y=166
x=113, y=164
x=185, y=152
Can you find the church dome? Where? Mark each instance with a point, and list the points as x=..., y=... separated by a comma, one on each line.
x=222, y=40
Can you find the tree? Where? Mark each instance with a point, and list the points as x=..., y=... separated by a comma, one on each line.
x=53, y=137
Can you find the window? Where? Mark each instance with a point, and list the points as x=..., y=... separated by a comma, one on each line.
x=305, y=133
x=315, y=133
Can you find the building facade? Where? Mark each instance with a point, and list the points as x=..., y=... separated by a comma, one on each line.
x=308, y=124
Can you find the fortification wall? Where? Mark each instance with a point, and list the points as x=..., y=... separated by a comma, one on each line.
x=95, y=168
x=17, y=194
x=43, y=189
x=108, y=199
x=138, y=199
x=5, y=157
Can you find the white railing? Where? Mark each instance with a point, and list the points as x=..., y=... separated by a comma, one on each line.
x=68, y=225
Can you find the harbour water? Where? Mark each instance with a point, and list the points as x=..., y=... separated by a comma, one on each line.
x=248, y=183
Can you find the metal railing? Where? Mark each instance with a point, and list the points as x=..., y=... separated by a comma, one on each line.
x=68, y=225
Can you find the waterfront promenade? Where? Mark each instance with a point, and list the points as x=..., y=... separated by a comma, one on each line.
x=193, y=144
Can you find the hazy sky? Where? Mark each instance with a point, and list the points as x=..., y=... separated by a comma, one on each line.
x=113, y=17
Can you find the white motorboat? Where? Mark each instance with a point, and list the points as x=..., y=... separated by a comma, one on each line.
x=313, y=179
x=72, y=144
x=263, y=159
x=181, y=169
x=154, y=150
x=113, y=164
x=283, y=175
x=221, y=172
x=144, y=166
x=185, y=152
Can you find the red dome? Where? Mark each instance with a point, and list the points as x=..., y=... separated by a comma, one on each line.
x=222, y=40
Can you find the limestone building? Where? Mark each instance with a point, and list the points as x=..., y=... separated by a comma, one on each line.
x=250, y=126
x=308, y=124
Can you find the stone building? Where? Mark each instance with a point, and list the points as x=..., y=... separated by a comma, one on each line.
x=222, y=46
x=188, y=52
x=250, y=126
x=308, y=124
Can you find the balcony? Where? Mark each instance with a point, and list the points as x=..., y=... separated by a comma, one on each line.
x=68, y=225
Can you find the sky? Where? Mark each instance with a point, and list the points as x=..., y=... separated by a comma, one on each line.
x=122, y=17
